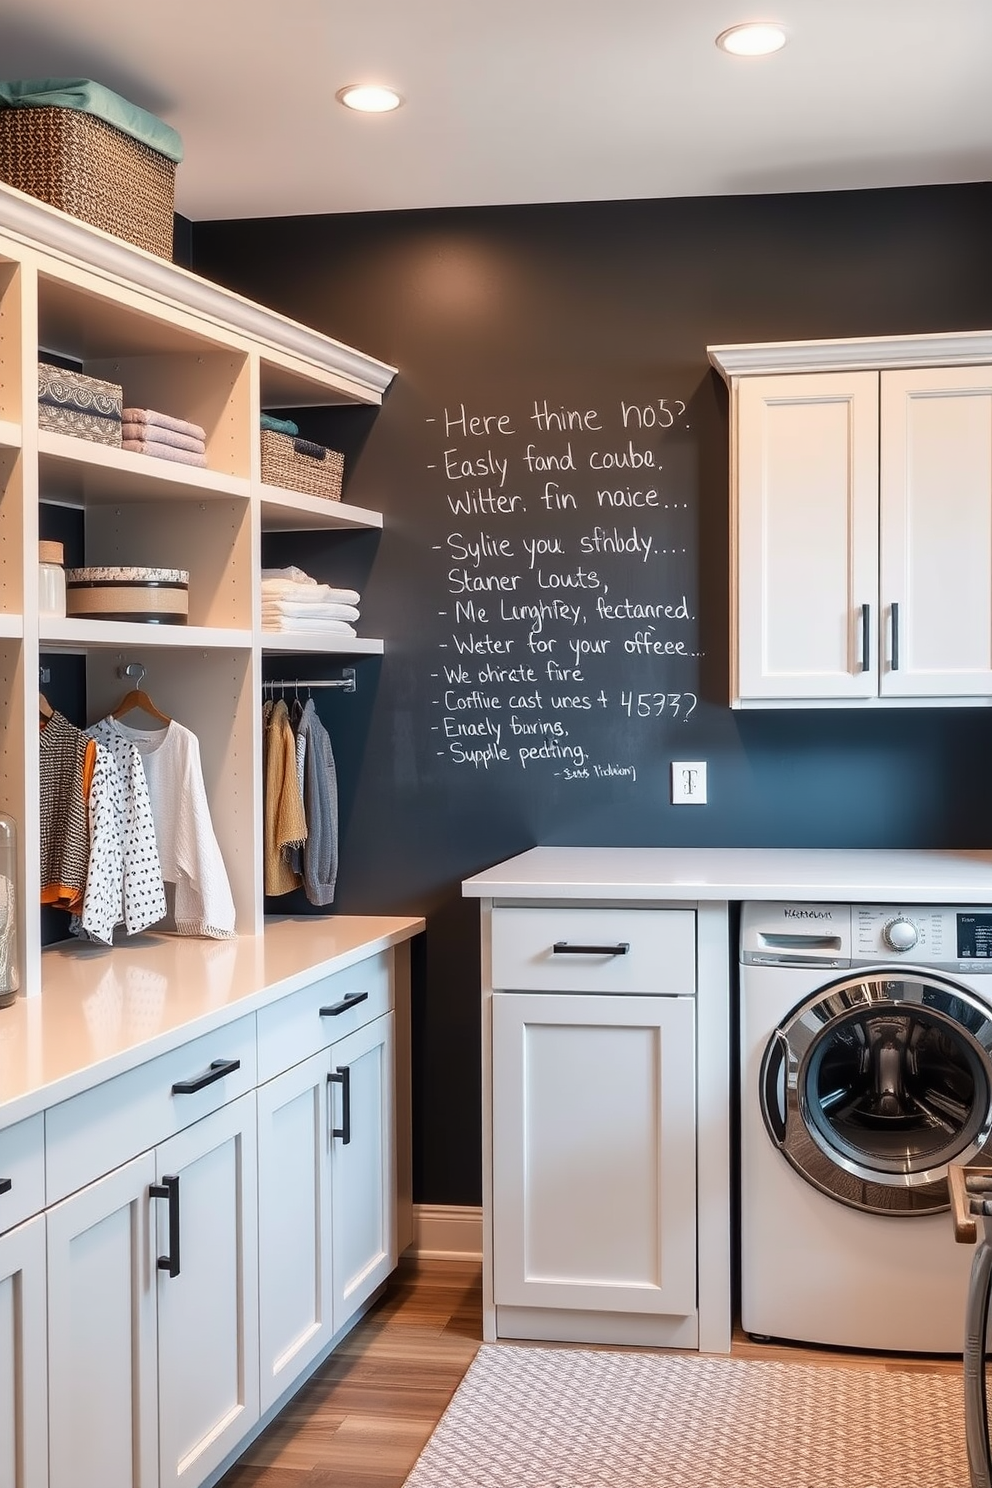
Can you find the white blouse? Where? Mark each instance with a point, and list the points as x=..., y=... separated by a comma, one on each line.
x=187, y=846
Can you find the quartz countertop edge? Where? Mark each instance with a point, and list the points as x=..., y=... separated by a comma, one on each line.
x=690, y=874
x=104, y=1011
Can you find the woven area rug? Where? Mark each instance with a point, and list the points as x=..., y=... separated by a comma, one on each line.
x=584, y=1418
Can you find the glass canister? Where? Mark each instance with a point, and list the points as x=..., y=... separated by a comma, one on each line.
x=10, y=976
x=51, y=579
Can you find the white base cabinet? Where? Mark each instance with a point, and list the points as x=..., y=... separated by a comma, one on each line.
x=23, y=1363
x=590, y=1165
x=182, y=1243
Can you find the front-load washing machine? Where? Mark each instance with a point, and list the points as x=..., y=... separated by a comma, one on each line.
x=866, y=1067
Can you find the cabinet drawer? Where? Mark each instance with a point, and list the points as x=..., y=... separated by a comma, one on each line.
x=22, y=1167
x=594, y=950
x=297, y=1026
x=94, y=1132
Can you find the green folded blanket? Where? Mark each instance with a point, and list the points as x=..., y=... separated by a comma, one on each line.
x=279, y=426
x=93, y=98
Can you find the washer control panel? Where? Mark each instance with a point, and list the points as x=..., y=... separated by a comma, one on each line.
x=945, y=937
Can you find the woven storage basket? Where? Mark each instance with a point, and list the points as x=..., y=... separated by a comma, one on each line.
x=69, y=402
x=156, y=596
x=298, y=465
x=88, y=168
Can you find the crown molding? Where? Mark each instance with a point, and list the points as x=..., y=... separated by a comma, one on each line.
x=949, y=349
x=54, y=232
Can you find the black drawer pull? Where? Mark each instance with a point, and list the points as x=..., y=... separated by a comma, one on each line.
x=866, y=638
x=352, y=1000
x=169, y=1189
x=218, y=1069
x=895, y=638
x=342, y=1076
x=6, y=1184
x=567, y=948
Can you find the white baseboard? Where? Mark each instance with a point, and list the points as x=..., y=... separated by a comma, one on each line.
x=446, y=1232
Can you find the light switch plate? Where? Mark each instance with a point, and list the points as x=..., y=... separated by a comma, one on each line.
x=688, y=782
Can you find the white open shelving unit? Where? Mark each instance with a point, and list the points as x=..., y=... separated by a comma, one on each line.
x=175, y=342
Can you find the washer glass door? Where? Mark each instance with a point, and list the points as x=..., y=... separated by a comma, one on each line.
x=875, y=1084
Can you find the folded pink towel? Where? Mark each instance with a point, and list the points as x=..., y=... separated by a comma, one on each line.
x=156, y=434
x=163, y=451
x=162, y=421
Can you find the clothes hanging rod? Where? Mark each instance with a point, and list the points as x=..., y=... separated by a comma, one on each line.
x=346, y=682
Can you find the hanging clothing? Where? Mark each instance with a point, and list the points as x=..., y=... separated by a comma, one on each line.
x=100, y=909
x=320, y=803
x=67, y=758
x=136, y=896
x=188, y=850
x=283, y=820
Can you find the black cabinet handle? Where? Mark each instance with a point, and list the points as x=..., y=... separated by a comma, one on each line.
x=6, y=1184
x=866, y=637
x=169, y=1189
x=895, y=637
x=218, y=1069
x=566, y=948
x=352, y=1000
x=342, y=1076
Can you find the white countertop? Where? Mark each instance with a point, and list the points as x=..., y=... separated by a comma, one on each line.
x=104, y=1010
x=681, y=874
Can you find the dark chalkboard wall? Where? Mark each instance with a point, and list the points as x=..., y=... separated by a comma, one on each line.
x=551, y=581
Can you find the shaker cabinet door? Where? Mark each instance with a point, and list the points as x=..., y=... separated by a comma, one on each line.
x=594, y=1152
x=208, y=1310
x=23, y=1379
x=102, y=1365
x=936, y=527
x=805, y=570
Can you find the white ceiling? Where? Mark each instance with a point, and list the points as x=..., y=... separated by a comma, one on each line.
x=528, y=100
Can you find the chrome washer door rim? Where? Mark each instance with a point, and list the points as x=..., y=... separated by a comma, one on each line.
x=895, y=1020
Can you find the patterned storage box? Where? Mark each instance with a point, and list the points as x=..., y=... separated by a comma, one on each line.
x=71, y=403
x=92, y=170
x=156, y=596
x=299, y=465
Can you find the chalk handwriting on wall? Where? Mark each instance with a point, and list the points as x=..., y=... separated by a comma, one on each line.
x=566, y=613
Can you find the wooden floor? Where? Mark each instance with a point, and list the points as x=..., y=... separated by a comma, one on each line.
x=363, y=1418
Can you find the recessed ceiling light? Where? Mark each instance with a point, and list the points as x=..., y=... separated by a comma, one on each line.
x=369, y=98
x=754, y=39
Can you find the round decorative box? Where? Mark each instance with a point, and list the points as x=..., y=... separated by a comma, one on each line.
x=155, y=596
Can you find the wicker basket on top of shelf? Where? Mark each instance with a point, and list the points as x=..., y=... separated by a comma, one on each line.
x=300, y=465
x=92, y=170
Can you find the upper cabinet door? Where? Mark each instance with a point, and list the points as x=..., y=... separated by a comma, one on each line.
x=936, y=525
x=806, y=538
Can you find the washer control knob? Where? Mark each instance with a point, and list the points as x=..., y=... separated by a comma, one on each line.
x=901, y=935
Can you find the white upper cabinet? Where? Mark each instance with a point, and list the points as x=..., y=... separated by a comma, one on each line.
x=861, y=522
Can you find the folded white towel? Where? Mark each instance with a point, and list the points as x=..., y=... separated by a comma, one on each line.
x=153, y=434
x=163, y=451
x=279, y=609
x=308, y=593
x=315, y=627
x=296, y=574
x=162, y=421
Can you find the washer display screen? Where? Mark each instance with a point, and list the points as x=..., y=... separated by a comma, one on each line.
x=974, y=936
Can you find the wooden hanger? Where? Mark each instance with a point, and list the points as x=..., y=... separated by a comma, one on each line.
x=45, y=709
x=137, y=698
